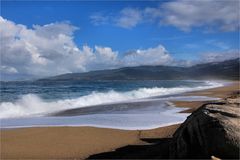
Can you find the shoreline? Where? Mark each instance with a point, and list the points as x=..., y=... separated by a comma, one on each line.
x=54, y=142
x=218, y=92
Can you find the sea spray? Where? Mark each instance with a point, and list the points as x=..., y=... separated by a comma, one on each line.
x=32, y=105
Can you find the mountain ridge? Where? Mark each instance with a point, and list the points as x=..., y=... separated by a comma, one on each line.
x=228, y=69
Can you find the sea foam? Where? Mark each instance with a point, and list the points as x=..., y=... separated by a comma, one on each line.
x=31, y=105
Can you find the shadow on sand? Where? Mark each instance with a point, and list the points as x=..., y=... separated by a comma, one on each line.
x=156, y=148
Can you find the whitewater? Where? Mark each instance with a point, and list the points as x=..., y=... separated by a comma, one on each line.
x=33, y=105
x=120, y=108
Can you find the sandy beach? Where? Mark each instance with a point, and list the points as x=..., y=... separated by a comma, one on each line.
x=220, y=92
x=81, y=142
x=71, y=142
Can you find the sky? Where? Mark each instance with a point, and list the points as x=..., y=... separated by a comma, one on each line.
x=47, y=38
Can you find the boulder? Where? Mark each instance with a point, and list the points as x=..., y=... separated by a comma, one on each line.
x=212, y=130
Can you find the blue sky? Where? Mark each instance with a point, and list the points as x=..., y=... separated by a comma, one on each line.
x=125, y=27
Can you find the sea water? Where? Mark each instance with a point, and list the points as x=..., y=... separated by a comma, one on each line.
x=109, y=104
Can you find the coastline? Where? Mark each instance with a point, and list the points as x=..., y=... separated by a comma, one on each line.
x=54, y=142
x=219, y=92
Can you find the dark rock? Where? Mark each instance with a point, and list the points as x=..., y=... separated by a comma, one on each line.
x=212, y=130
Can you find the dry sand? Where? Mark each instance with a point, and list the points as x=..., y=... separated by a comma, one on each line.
x=70, y=142
x=80, y=142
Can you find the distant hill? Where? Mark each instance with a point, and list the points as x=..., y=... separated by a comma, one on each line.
x=215, y=70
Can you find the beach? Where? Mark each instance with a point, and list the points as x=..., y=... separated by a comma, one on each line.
x=81, y=142
x=219, y=92
x=119, y=79
x=71, y=142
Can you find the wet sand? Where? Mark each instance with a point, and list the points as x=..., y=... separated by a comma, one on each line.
x=81, y=142
x=220, y=92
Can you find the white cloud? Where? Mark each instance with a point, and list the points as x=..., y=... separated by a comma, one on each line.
x=8, y=70
x=212, y=15
x=34, y=51
x=151, y=56
x=64, y=28
x=106, y=53
x=46, y=50
x=50, y=50
x=99, y=19
x=99, y=58
x=186, y=14
x=129, y=17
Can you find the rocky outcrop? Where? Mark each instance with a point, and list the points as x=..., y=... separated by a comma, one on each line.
x=212, y=130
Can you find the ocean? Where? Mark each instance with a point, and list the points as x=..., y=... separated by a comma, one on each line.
x=109, y=104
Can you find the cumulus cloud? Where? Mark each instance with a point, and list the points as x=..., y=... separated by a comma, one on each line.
x=47, y=50
x=150, y=56
x=38, y=49
x=183, y=14
x=50, y=50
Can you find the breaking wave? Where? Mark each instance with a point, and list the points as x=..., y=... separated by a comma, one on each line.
x=33, y=105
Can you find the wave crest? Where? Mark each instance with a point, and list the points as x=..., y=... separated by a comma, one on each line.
x=32, y=105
